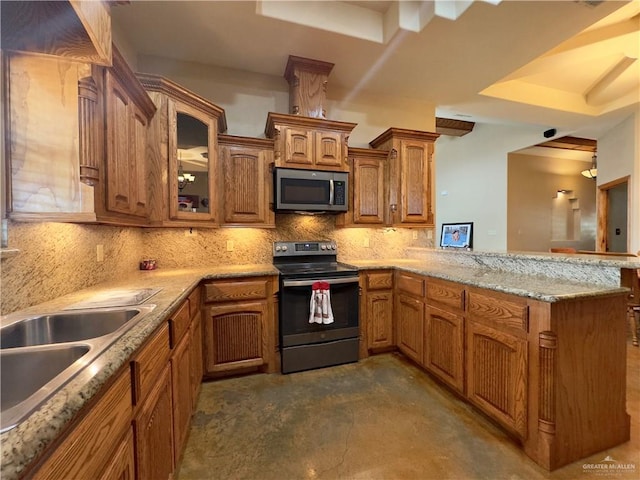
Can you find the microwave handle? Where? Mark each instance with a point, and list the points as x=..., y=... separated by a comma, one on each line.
x=331, y=192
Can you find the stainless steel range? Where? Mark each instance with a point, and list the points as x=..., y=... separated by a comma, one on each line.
x=319, y=313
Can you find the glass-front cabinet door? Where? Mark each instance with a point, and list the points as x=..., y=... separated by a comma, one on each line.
x=192, y=163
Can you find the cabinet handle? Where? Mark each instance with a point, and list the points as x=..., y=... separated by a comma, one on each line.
x=135, y=382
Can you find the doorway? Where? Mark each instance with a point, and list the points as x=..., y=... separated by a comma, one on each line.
x=613, y=207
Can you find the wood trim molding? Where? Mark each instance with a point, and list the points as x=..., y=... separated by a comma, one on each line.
x=402, y=133
x=156, y=83
x=125, y=75
x=234, y=140
x=274, y=119
x=572, y=143
x=455, y=128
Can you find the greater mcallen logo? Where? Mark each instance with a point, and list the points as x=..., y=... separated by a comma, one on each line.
x=608, y=466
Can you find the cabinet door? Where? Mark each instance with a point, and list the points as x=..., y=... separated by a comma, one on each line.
x=197, y=362
x=122, y=465
x=443, y=346
x=154, y=432
x=497, y=375
x=410, y=327
x=245, y=190
x=379, y=319
x=415, y=182
x=369, y=198
x=120, y=161
x=328, y=149
x=234, y=336
x=298, y=147
x=139, y=126
x=181, y=387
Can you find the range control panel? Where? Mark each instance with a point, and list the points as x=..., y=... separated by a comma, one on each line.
x=287, y=249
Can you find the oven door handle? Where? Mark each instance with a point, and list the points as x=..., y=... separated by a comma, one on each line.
x=308, y=283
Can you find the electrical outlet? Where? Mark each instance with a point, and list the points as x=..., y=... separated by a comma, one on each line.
x=429, y=235
x=100, y=253
x=415, y=234
x=230, y=246
x=366, y=242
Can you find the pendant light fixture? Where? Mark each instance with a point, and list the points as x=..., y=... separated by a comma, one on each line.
x=593, y=171
x=184, y=179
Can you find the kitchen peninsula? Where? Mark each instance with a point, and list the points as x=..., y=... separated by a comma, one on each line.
x=570, y=335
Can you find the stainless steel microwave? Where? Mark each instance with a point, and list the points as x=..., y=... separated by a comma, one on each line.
x=310, y=190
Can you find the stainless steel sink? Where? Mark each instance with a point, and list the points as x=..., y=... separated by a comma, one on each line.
x=25, y=371
x=40, y=354
x=65, y=327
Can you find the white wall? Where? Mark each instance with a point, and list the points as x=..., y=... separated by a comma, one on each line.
x=472, y=170
x=247, y=98
x=533, y=184
x=619, y=156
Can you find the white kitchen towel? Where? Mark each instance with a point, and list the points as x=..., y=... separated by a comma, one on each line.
x=320, y=306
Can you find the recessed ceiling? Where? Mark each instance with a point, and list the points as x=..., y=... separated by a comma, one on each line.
x=441, y=52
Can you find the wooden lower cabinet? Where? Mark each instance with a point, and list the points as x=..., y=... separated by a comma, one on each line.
x=444, y=346
x=196, y=360
x=497, y=369
x=410, y=326
x=88, y=449
x=376, y=311
x=234, y=336
x=122, y=465
x=379, y=317
x=239, y=325
x=154, y=432
x=181, y=393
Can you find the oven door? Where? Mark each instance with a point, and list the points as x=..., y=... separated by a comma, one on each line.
x=295, y=299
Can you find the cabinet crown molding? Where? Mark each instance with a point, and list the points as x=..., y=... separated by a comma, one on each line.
x=234, y=140
x=274, y=119
x=402, y=133
x=157, y=83
x=125, y=75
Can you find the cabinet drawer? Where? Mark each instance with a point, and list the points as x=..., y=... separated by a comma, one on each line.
x=445, y=294
x=148, y=364
x=411, y=284
x=88, y=448
x=499, y=311
x=379, y=280
x=194, y=301
x=179, y=323
x=236, y=290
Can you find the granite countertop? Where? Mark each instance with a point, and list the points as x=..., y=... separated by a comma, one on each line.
x=24, y=442
x=537, y=287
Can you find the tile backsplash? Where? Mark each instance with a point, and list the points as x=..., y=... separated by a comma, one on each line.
x=57, y=258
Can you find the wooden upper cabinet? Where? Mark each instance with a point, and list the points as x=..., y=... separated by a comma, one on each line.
x=41, y=103
x=246, y=181
x=124, y=110
x=182, y=145
x=369, y=188
x=305, y=142
x=73, y=29
x=411, y=175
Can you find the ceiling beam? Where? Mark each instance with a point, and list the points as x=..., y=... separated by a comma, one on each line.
x=456, y=128
x=572, y=143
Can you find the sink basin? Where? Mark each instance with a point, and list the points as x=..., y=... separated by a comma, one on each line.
x=24, y=372
x=40, y=354
x=64, y=327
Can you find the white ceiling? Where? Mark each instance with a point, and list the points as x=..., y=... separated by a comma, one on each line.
x=528, y=57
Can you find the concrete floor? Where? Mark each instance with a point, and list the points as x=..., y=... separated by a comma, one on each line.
x=381, y=418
